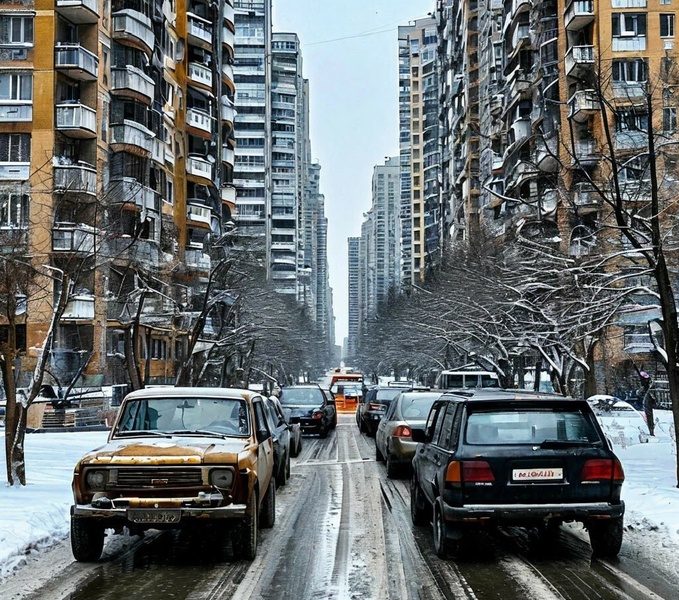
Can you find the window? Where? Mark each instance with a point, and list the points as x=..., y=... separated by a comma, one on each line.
x=158, y=349
x=15, y=147
x=16, y=87
x=665, y=1
x=13, y=210
x=634, y=70
x=667, y=25
x=16, y=30
x=631, y=120
x=629, y=24
x=669, y=118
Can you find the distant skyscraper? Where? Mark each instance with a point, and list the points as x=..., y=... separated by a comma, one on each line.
x=353, y=291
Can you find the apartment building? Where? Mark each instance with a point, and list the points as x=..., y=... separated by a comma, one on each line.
x=116, y=160
x=353, y=265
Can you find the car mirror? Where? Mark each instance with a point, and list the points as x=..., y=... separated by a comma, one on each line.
x=418, y=435
x=263, y=435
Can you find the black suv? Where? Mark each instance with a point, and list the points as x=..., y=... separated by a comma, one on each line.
x=510, y=457
x=374, y=404
x=310, y=406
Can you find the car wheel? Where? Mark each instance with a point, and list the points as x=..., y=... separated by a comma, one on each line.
x=294, y=448
x=323, y=433
x=606, y=537
x=379, y=457
x=87, y=539
x=287, y=470
x=249, y=530
x=225, y=545
x=268, y=509
x=299, y=446
x=282, y=475
x=393, y=469
x=442, y=546
x=361, y=425
x=370, y=431
x=334, y=422
x=418, y=510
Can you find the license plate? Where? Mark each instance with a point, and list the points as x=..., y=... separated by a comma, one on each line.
x=537, y=474
x=140, y=515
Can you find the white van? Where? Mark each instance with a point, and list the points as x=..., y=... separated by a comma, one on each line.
x=448, y=380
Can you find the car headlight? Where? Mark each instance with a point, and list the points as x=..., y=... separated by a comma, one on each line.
x=96, y=480
x=221, y=478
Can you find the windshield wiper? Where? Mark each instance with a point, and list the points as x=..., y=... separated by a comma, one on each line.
x=142, y=433
x=568, y=444
x=203, y=432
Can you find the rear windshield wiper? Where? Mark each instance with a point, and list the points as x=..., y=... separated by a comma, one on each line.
x=568, y=444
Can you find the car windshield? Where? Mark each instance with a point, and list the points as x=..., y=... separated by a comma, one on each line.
x=517, y=425
x=221, y=416
x=416, y=406
x=301, y=397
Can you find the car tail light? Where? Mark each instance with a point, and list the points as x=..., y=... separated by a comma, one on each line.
x=317, y=415
x=472, y=471
x=375, y=406
x=402, y=431
x=602, y=469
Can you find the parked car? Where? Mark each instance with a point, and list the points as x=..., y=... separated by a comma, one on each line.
x=513, y=457
x=278, y=425
x=179, y=458
x=310, y=406
x=393, y=443
x=373, y=406
x=295, y=428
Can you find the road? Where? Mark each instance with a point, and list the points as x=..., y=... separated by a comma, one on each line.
x=343, y=531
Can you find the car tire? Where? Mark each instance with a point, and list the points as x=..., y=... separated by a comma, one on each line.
x=442, y=545
x=605, y=536
x=225, y=545
x=299, y=446
x=361, y=425
x=379, y=457
x=418, y=509
x=370, y=432
x=323, y=433
x=294, y=449
x=287, y=469
x=268, y=509
x=249, y=530
x=393, y=469
x=87, y=539
x=282, y=475
x=334, y=422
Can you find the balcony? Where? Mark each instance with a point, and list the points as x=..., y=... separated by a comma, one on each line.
x=78, y=178
x=228, y=112
x=132, y=80
x=131, y=133
x=79, y=11
x=229, y=13
x=73, y=238
x=198, y=166
x=79, y=308
x=129, y=190
x=638, y=343
x=584, y=194
x=196, y=259
x=77, y=120
x=518, y=82
x=76, y=62
x=229, y=195
x=549, y=200
x=630, y=140
x=630, y=90
x=228, y=155
x=579, y=14
x=586, y=154
x=228, y=37
x=635, y=43
x=520, y=130
x=135, y=28
x=139, y=251
x=583, y=104
x=199, y=30
x=546, y=158
x=200, y=74
x=199, y=119
x=199, y=214
x=11, y=112
x=14, y=171
x=579, y=60
x=227, y=75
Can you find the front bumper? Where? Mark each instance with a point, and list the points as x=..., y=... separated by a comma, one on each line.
x=156, y=517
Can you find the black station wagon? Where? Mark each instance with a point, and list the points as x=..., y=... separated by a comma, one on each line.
x=510, y=457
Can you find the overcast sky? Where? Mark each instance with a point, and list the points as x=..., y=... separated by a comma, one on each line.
x=350, y=54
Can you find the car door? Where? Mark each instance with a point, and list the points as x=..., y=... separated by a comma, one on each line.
x=425, y=459
x=441, y=449
x=265, y=450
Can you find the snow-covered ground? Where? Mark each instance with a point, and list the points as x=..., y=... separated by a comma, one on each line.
x=37, y=516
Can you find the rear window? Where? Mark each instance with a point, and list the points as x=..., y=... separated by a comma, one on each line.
x=387, y=394
x=301, y=397
x=529, y=426
x=416, y=406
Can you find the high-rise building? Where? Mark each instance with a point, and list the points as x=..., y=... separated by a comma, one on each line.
x=353, y=264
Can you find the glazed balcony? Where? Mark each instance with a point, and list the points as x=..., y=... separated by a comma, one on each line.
x=227, y=74
x=139, y=251
x=79, y=11
x=586, y=154
x=198, y=166
x=78, y=178
x=196, y=259
x=583, y=104
x=228, y=156
x=135, y=28
x=228, y=37
x=199, y=30
x=13, y=111
x=584, y=194
x=630, y=90
x=630, y=140
x=199, y=119
x=76, y=120
x=76, y=62
x=199, y=214
x=131, y=133
x=200, y=74
x=579, y=14
x=229, y=195
x=579, y=60
x=520, y=130
x=79, y=308
x=73, y=238
x=228, y=112
x=546, y=158
x=133, y=80
x=229, y=13
x=129, y=190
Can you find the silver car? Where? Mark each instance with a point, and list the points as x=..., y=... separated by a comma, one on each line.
x=393, y=443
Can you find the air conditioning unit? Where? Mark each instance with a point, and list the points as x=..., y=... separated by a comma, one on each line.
x=669, y=45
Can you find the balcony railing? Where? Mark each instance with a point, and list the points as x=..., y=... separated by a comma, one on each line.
x=228, y=37
x=630, y=140
x=10, y=112
x=579, y=14
x=228, y=155
x=199, y=73
x=585, y=195
x=132, y=79
x=200, y=28
x=79, y=178
x=228, y=113
x=229, y=195
x=140, y=251
x=79, y=11
x=197, y=259
x=199, y=214
x=198, y=166
x=128, y=189
x=199, y=119
x=638, y=343
x=585, y=152
x=77, y=120
x=629, y=44
x=227, y=73
x=629, y=89
x=582, y=104
x=73, y=238
x=579, y=59
x=132, y=133
x=135, y=27
x=229, y=13
x=78, y=62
